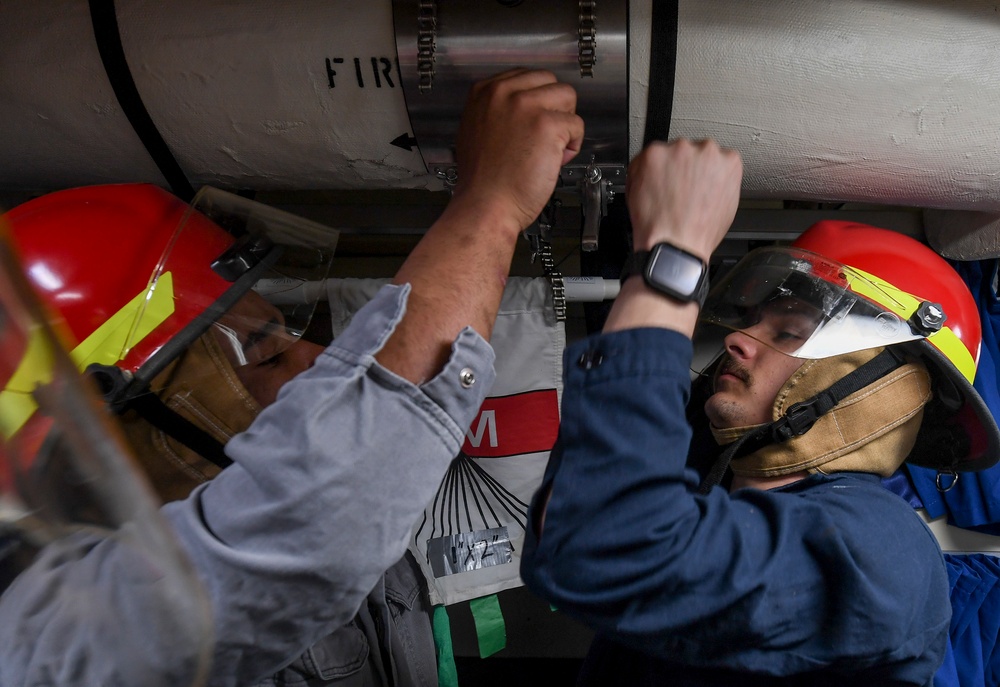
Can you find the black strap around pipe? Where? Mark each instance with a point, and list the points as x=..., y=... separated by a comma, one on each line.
x=662, y=66
x=109, y=44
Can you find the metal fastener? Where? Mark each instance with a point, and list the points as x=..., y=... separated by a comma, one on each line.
x=467, y=377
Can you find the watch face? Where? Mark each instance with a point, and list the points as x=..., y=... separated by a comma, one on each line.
x=678, y=271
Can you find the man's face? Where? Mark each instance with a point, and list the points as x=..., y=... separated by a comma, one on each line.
x=756, y=366
x=261, y=351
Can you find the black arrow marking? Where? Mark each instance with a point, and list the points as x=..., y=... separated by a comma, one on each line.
x=404, y=141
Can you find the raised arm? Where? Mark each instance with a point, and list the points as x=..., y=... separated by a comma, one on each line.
x=328, y=481
x=685, y=193
x=517, y=130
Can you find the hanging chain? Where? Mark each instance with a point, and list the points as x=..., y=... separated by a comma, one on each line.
x=587, y=42
x=426, y=43
x=555, y=278
x=538, y=237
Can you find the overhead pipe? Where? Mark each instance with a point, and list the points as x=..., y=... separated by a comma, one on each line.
x=872, y=101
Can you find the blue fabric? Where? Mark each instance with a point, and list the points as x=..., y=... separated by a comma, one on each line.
x=975, y=500
x=899, y=484
x=973, y=656
x=973, y=503
x=829, y=579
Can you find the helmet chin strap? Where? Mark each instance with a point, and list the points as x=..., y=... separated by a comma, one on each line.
x=802, y=415
x=122, y=391
x=111, y=380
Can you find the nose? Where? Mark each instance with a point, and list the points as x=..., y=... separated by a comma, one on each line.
x=741, y=345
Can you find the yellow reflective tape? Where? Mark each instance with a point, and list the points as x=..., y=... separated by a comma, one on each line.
x=111, y=342
x=16, y=401
x=904, y=305
x=949, y=344
x=107, y=345
x=883, y=293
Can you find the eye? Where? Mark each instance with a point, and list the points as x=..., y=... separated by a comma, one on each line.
x=270, y=362
x=786, y=335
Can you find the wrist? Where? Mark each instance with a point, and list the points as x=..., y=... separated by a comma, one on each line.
x=670, y=271
x=637, y=305
x=481, y=211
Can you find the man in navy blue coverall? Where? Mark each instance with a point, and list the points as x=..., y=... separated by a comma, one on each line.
x=806, y=571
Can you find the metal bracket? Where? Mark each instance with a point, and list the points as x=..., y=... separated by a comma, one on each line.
x=448, y=176
x=597, y=185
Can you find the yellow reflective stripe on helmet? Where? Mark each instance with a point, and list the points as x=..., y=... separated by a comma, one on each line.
x=948, y=343
x=105, y=345
x=130, y=325
x=16, y=402
x=882, y=292
x=904, y=304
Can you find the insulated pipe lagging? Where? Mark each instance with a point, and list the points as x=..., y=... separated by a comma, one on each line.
x=883, y=102
x=889, y=102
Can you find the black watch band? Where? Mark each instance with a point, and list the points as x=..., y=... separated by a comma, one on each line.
x=670, y=270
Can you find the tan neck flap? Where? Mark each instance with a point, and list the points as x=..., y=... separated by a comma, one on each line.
x=872, y=430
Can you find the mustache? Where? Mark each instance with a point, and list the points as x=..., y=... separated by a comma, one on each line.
x=731, y=367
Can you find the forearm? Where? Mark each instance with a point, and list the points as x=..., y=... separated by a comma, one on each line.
x=685, y=194
x=457, y=272
x=518, y=128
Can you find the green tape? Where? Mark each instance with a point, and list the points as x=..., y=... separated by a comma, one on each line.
x=447, y=672
x=489, y=624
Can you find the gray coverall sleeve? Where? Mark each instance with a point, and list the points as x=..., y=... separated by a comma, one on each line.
x=324, y=491
x=325, y=488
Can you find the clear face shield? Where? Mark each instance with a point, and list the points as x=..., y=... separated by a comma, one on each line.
x=804, y=306
x=206, y=281
x=85, y=555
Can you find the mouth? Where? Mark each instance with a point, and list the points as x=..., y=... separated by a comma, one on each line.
x=731, y=371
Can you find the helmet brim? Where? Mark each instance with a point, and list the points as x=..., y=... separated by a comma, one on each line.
x=959, y=432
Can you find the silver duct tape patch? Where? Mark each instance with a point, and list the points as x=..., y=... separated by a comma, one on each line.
x=469, y=551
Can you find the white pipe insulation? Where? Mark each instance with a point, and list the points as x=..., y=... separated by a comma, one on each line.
x=295, y=94
x=891, y=101
x=883, y=101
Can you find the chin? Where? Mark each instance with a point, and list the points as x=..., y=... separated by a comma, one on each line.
x=725, y=414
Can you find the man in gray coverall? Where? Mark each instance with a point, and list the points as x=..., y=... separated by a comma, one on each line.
x=330, y=474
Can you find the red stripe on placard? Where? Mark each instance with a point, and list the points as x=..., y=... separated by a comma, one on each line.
x=509, y=425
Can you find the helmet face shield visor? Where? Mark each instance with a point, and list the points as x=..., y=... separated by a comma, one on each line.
x=806, y=306
x=74, y=512
x=224, y=246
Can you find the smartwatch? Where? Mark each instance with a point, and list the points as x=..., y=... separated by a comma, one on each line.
x=670, y=270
